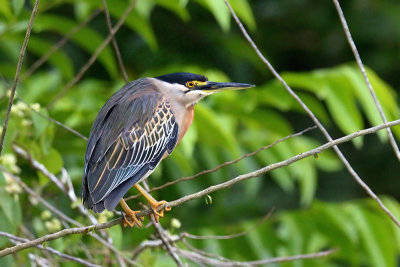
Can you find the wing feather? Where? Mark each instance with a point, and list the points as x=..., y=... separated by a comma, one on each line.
x=113, y=166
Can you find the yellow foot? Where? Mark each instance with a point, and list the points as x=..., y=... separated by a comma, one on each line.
x=158, y=214
x=131, y=219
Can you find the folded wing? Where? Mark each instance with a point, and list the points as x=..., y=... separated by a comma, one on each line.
x=114, y=166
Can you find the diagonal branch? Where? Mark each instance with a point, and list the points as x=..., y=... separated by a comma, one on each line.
x=214, y=262
x=274, y=166
x=65, y=127
x=229, y=183
x=236, y=235
x=224, y=164
x=165, y=241
x=93, y=58
x=18, y=71
x=14, y=238
x=59, y=234
x=350, y=169
x=59, y=44
x=364, y=73
x=114, y=42
x=61, y=215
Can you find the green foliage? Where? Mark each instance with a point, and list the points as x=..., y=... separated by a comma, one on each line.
x=162, y=36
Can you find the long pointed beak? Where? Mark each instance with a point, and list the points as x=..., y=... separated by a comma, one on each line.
x=212, y=87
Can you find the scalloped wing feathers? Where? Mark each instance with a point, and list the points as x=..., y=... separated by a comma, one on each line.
x=130, y=136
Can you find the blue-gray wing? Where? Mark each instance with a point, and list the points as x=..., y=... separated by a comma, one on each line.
x=136, y=150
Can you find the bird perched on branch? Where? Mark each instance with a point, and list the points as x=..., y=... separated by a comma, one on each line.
x=139, y=126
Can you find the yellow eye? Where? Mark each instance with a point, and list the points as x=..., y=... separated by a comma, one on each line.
x=190, y=84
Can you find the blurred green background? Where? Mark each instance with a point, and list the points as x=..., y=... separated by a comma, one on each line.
x=317, y=203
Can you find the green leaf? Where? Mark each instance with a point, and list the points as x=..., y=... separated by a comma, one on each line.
x=116, y=236
x=5, y=8
x=385, y=94
x=7, y=205
x=136, y=21
x=39, y=122
x=176, y=7
x=2, y=180
x=377, y=240
x=341, y=104
x=62, y=25
x=58, y=59
x=40, y=85
x=17, y=6
x=243, y=11
x=53, y=161
x=220, y=12
x=209, y=123
x=10, y=214
x=307, y=181
x=394, y=208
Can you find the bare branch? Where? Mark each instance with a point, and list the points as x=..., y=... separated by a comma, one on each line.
x=93, y=58
x=69, y=129
x=214, y=262
x=314, y=118
x=17, y=239
x=166, y=242
x=276, y=166
x=114, y=42
x=61, y=215
x=65, y=232
x=365, y=76
x=152, y=244
x=254, y=227
x=58, y=45
x=224, y=164
x=86, y=229
x=18, y=71
x=39, y=167
x=31, y=192
x=66, y=187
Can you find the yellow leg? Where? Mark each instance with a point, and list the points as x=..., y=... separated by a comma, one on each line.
x=130, y=215
x=153, y=203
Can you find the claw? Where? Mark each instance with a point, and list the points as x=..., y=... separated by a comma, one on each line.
x=131, y=219
x=158, y=214
x=154, y=204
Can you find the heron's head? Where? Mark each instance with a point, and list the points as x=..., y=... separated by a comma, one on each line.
x=189, y=88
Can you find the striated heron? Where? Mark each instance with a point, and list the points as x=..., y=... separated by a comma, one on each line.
x=137, y=127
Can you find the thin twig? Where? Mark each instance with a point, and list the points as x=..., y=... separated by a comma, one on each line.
x=31, y=192
x=38, y=166
x=274, y=166
x=352, y=172
x=214, y=262
x=59, y=234
x=114, y=42
x=224, y=164
x=60, y=214
x=58, y=45
x=93, y=58
x=151, y=244
x=365, y=76
x=165, y=241
x=201, y=193
x=69, y=129
x=202, y=252
x=49, y=249
x=18, y=71
x=66, y=187
x=203, y=237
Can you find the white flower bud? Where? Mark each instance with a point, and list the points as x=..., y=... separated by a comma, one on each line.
x=175, y=223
